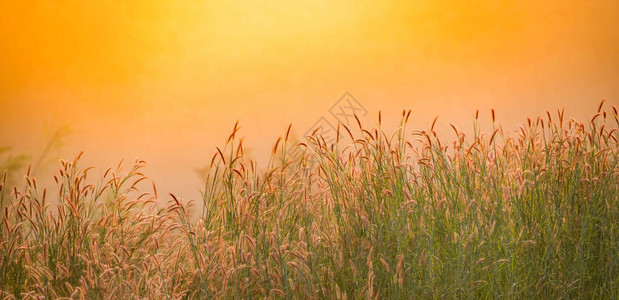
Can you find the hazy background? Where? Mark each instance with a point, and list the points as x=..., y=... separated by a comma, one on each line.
x=165, y=81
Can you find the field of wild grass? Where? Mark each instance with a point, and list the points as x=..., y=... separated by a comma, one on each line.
x=404, y=214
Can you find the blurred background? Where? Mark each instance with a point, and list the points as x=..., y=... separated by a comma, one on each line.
x=165, y=81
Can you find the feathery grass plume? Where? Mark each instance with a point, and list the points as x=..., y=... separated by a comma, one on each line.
x=533, y=214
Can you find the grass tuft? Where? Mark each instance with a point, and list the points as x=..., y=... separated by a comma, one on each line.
x=534, y=214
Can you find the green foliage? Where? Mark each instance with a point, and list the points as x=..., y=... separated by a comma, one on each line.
x=534, y=214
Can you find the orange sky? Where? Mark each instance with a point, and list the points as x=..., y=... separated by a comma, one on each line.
x=166, y=80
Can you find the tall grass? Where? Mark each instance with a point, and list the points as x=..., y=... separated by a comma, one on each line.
x=534, y=214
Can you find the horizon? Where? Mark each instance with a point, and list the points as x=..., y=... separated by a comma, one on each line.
x=166, y=82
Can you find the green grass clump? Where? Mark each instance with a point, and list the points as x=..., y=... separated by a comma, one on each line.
x=534, y=214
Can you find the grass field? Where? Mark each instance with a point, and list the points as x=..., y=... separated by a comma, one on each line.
x=405, y=214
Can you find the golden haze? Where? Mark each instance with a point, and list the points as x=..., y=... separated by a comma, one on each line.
x=166, y=80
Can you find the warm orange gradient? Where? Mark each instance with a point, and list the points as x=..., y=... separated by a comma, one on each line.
x=166, y=80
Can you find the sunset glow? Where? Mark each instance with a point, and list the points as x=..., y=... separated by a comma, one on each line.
x=165, y=81
x=202, y=149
